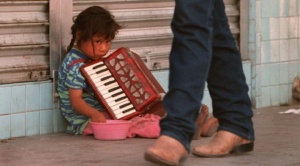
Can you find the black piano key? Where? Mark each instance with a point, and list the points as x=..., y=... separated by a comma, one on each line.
x=129, y=109
x=121, y=98
x=101, y=71
x=98, y=66
x=124, y=105
x=116, y=94
x=105, y=78
x=113, y=89
x=110, y=82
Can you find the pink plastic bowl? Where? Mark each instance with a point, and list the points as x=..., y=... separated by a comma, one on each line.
x=111, y=130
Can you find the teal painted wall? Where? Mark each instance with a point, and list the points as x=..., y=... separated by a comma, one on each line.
x=28, y=109
x=274, y=45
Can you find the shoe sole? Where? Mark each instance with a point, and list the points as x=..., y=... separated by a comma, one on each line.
x=148, y=156
x=244, y=148
x=248, y=147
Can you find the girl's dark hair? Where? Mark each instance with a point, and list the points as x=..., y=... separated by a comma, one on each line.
x=91, y=21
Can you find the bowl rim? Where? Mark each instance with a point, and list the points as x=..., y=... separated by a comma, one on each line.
x=111, y=122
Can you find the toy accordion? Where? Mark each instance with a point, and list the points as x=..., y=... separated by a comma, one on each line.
x=124, y=85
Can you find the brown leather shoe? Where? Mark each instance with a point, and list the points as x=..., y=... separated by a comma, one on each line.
x=222, y=144
x=210, y=127
x=200, y=121
x=166, y=151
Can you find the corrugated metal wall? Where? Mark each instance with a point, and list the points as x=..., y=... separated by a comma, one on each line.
x=24, y=45
x=147, y=23
x=24, y=33
x=233, y=14
x=147, y=29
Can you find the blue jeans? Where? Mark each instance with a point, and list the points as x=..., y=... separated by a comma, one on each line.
x=204, y=49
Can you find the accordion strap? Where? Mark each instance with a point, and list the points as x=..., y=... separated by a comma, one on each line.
x=76, y=61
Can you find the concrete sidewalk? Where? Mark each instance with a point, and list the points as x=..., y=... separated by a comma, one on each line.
x=277, y=144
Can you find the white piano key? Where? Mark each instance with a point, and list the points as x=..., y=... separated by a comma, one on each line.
x=107, y=95
x=113, y=88
x=96, y=76
x=109, y=90
x=114, y=98
x=102, y=87
x=102, y=81
x=118, y=106
x=89, y=68
x=91, y=71
x=98, y=81
x=98, y=72
x=114, y=102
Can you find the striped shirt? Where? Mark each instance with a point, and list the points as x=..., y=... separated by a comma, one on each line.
x=69, y=76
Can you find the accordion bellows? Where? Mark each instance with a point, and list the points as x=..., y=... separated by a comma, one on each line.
x=124, y=85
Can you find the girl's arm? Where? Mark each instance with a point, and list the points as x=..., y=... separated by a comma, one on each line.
x=83, y=108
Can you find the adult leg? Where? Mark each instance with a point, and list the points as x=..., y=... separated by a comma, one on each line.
x=226, y=80
x=189, y=64
x=229, y=92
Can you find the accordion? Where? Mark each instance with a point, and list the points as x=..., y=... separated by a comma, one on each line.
x=124, y=85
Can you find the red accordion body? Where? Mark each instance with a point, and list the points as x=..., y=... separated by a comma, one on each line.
x=124, y=85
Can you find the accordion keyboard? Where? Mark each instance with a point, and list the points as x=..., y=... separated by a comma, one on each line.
x=109, y=88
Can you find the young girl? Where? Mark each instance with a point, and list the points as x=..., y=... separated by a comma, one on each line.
x=92, y=33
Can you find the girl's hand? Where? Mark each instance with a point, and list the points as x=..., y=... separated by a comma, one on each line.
x=83, y=108
x=98, y=117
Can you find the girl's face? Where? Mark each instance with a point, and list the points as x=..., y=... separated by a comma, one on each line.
x=96, y=48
